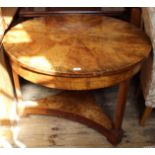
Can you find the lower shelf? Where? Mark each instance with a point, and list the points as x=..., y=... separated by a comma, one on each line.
x=74, y=105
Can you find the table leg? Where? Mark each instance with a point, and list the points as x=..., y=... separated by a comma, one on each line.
x=117, y=132
x=17, y=86
x=120, y=105
x=146, y=114
x=18, y=93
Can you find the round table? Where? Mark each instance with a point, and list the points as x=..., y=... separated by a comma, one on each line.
x=77, y=52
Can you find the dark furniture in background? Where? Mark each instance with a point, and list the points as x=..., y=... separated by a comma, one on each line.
x=129, y=14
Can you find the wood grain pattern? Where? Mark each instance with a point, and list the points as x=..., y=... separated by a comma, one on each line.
x=74, y=105
x=76, y=45
x=77, y=52
x=120, y=107
x=48, y=131
x=135, y=17
x=75, y=83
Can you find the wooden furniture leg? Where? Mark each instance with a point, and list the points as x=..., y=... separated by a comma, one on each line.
x=146, y=114
x=117, y=132
x=18, y=93
x=135, y=17
x=17, y=86
x=120, y=106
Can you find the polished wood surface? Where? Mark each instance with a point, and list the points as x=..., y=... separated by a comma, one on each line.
x=135, y=17
x=120, y=106
x=77, y=52
x=73, y=83
x=74, y=105
x=46, y=131
x=63, y=109
x=146, y=115
x=76, y=45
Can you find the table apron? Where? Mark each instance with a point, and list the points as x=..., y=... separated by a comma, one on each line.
x=70, y=83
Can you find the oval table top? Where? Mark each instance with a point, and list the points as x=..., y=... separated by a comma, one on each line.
x=76, y=45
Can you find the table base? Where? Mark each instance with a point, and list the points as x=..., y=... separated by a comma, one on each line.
x=74, y=105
